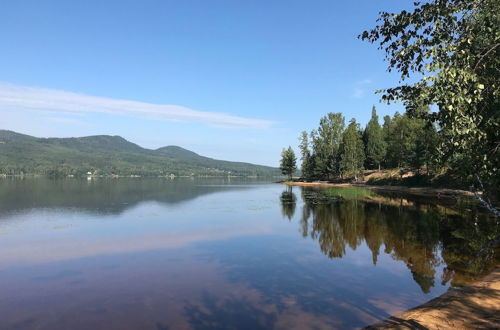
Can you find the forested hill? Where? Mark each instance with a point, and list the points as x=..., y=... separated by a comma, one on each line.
x=108, y=155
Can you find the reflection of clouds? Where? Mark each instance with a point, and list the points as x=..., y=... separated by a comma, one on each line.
x=250, y=309
x=157, y=289
x=272, y=281
x=304, y=287
x=395, y=304
x=295, y=318
x=50, y=250
x=145, y=291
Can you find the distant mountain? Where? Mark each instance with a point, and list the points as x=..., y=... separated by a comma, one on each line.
x=108, y=155
x=179, y=153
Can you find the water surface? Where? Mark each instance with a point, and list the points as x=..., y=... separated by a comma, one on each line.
x=224, y=254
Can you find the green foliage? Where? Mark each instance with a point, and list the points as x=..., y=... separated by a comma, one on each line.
x=401, y=138
x=326, y=143
x=352, y=151
x=288, y=163
x=451, y=51
x=374, y=141
x=307, y=165
x=426, y=149
x=331, y=152
x=108, y=155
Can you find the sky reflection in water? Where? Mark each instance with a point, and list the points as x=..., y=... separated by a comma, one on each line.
x=213, y=254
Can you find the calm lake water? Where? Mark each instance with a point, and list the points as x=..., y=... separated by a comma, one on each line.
x=219, y=254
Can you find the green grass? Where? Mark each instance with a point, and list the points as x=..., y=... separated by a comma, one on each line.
x=350, y=193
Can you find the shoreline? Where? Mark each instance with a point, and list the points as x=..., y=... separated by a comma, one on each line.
x=476, y=306
x=440, y=193
x=24, y=176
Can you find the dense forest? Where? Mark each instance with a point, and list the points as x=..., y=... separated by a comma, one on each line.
x=338, y=151
x=447, y=56
x=335, y=150
x=106, y=155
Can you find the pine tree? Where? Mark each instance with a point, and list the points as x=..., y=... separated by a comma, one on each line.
x=386, y=128
x=306, y=166
x=375, y=147
x=288, y=162
x=352, y=151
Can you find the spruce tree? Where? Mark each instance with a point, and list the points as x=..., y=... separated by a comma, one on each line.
x=305, y=156
x=375, y=147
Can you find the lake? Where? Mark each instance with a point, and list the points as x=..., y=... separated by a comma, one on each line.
x=225, y=254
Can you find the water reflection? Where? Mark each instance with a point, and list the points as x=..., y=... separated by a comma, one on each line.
x=233, y=313
x=301, y=288
x=422, y=236
x=52, y=220
x=205, y=254
x=105, y=196
x=288, y=202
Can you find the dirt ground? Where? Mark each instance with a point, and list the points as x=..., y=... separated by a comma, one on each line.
x=476, y=306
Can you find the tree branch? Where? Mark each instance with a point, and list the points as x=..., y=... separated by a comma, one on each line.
x=484, y=55
x=486, y=202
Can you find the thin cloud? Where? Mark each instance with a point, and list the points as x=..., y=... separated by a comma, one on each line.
x=359, y=90
x=64, y=120
x=14, y=97
x=358, y=93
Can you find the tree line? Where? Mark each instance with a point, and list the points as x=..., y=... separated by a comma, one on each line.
x=335, y=150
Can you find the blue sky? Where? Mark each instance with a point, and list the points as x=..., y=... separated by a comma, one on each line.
x=235, y=80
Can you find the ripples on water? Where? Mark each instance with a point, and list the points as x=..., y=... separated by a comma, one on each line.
x=219, y=254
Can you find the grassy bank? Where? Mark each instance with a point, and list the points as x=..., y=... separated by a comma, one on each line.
x=429, y=192
x=444, y=186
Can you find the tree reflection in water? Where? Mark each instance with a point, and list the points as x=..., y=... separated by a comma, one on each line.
x=422, y=235
x=288, y=202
